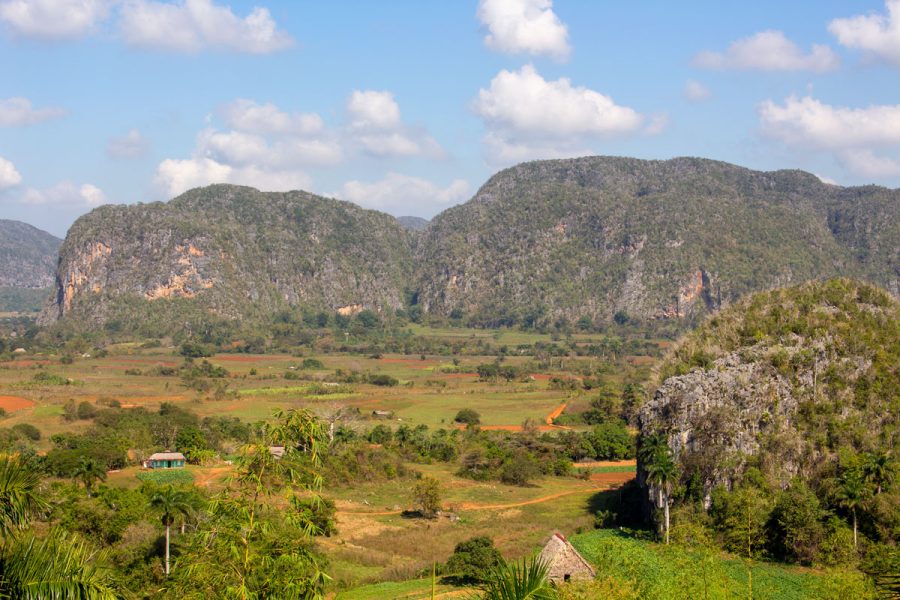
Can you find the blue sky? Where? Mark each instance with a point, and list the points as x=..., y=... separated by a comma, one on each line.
x=409, y=106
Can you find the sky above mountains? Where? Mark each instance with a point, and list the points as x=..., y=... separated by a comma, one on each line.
x=408, y=106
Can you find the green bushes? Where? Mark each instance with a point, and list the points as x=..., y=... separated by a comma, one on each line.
x=162, y=477
x=473, y=560
x=468, y=416
x=28, y=431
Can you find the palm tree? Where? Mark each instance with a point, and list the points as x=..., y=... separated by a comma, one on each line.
x=19, y=496
x=852, y=493
x=661, y=472
x=525, y=581
x=58, y=566
x=88, y=472
x=170, y=502
x=878, y=470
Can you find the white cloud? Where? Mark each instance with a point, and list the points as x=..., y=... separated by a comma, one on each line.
x=176, y=176
x=524, y=26
x=807, y=121
x=769, y=51
x=877, y=34
x=695, y=91
x=237, y=148
x=530, y=117
x=826, y=179
x=65, y=194
x=370, y=109
x=194, y=25
x=16, y=112
x=53, y=19
x=9, y=176
x=402, y=193
x=866, y=163
x=850, y=134
x=376, y=126
x=131, y=145
x=250, y=116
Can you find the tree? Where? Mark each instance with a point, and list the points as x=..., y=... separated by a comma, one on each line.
x=851, y=493
x=468, y=416
x=661, y=473
x=170, y=503
x=427, y=494
x=878, y=470
x=514, y=581
x=20, y=498
x=473, y=560
x=249, y=547
x=89, y=471
x=60, y=565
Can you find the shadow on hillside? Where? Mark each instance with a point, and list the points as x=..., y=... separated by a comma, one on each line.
x=619, y=507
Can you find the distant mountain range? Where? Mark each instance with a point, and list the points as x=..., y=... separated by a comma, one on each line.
x=542, y=242
x=27, y=256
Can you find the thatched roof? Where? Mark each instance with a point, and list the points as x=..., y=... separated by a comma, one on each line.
x=167, y=456
x=563, y=560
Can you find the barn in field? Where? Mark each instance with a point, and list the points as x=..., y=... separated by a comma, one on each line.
x=563, y=561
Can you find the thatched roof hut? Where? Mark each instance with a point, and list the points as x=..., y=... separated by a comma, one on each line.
x=564, y=563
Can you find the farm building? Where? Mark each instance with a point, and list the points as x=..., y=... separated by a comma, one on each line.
x=165, y=460
x=564, y=563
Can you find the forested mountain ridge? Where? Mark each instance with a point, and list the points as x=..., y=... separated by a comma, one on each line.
x=541, y=244
x=232, y=251
x=596, y=236
x=27, y=255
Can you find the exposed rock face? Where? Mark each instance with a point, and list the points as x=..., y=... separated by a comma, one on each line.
x=780, y=381
x=27, y=255
x=234, y=251
x=542, y=242
x=651, y=239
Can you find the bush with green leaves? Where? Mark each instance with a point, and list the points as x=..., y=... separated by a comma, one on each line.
x=473, y=560
x=468, y=416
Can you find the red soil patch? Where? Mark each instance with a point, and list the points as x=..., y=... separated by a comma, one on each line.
x=25, y=363
x=556, y=412
x=11, y=403
x=612, y=478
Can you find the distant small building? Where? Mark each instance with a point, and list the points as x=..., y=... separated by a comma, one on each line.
x=564, y=563
x=165, y=460
x=276, y=451
x=383, y=414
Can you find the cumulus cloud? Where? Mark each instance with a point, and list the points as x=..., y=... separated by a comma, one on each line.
x=9, y=176
x=850, y=134
x=15, y=112
x=769, y=51
x=879, y=35
x=866, y=163
x=65, y=195
x=530, y=117
x=177, y=176
x=195, y=25
x=376, y=126
x=524, y=26
x=694, y=91
x=131, y=145
x=53, y=19
x=402, y=193
x=807, y=121
x=251, y=116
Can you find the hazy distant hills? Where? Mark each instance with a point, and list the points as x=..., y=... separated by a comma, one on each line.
x=541, y=242
x=414, y=223
x=27, y=255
